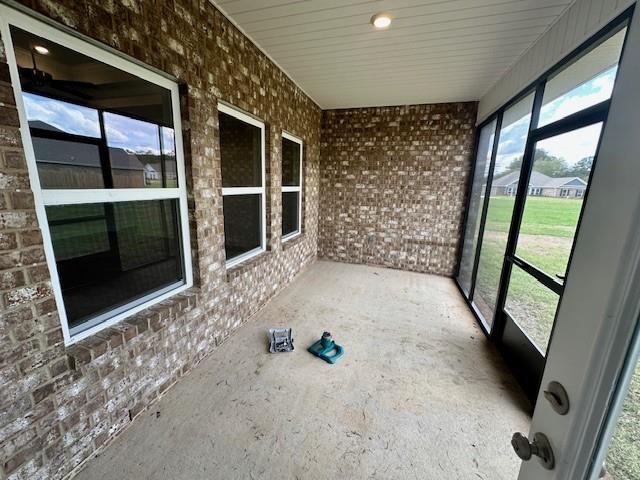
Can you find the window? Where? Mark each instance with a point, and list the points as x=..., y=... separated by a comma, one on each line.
x=103, y=142
x=242, y=156
x=560, y=115
x=291, y=186
x=476, y=203
x=585, y=82
x=512, y=140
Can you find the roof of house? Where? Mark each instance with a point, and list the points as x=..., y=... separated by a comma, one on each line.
x=538, y=180
x=79, y=153
x=562, y=181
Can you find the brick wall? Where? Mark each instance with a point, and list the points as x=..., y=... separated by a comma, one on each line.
x=393, y=183
x=59, y=404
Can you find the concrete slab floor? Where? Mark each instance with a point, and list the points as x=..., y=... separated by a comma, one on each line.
x=419, y=394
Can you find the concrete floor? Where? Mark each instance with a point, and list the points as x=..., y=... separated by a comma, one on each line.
x=419, y=393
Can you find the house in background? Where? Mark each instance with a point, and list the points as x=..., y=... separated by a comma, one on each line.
x=540, y=185
x=67, y=160
x=151, y=173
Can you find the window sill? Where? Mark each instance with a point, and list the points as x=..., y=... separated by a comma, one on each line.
x=248, y=264
x=153, y=319
x=292, y=241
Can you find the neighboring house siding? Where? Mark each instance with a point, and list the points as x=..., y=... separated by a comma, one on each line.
x=540, y=185
x=59, y=404
x=393, y=185
x=575, y=25
x=574, y=183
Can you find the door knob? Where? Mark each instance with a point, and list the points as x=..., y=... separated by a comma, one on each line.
x=540, y=447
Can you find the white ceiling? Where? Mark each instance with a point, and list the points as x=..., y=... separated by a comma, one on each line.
x=434, y=51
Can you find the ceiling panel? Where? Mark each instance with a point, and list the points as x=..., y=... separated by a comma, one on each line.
x=434, y=51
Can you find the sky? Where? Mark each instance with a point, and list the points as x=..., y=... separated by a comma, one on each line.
x=572, y=146
x=142, y=137
x=132, y=135
x=65, y=116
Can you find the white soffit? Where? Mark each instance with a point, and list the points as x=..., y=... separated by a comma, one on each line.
x=434, y=51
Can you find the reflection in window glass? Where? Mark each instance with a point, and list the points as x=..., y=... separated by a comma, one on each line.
x=290, y=162
x=560, y=172
x=65, y=224
x=506, y=174
x=67, y=164
x=111, y=254
x=67, y=95
x=169, y=157
x=134, y=152
x=242, y=229
x=290, y=212
x=483, y=160
x=241, y=152
x=586, y=82
x=623, y=458
x=532, y=306
x=58, y=116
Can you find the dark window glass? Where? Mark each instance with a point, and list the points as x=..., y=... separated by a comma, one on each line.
x=241, y=224
x=80, y=101
x=111, y=254
x=290, y=212
x=68, y=164
x=290, y=163
x=241, y=153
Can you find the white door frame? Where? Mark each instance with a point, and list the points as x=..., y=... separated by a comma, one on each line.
x=600, y=308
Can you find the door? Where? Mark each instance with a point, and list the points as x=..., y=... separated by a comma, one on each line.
x=595, y=343
x=569, y=111
x=547, y=220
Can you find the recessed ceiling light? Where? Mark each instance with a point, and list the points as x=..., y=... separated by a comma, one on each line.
x=381, y=20
x=41, y=50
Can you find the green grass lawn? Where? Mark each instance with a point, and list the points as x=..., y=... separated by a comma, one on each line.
x=555, y=217
x=545, y=240
x=546, y=237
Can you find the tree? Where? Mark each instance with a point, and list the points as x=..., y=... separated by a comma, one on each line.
x=549, y=165
x=515, y=165
x=582, y=168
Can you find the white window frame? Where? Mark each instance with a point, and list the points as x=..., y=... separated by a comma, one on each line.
x=43, y=198
x=298, y=188
x=251, y=120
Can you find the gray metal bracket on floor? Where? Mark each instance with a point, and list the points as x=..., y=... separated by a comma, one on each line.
x=280, y=340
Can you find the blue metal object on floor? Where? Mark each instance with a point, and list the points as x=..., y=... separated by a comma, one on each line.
x=323, y=347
